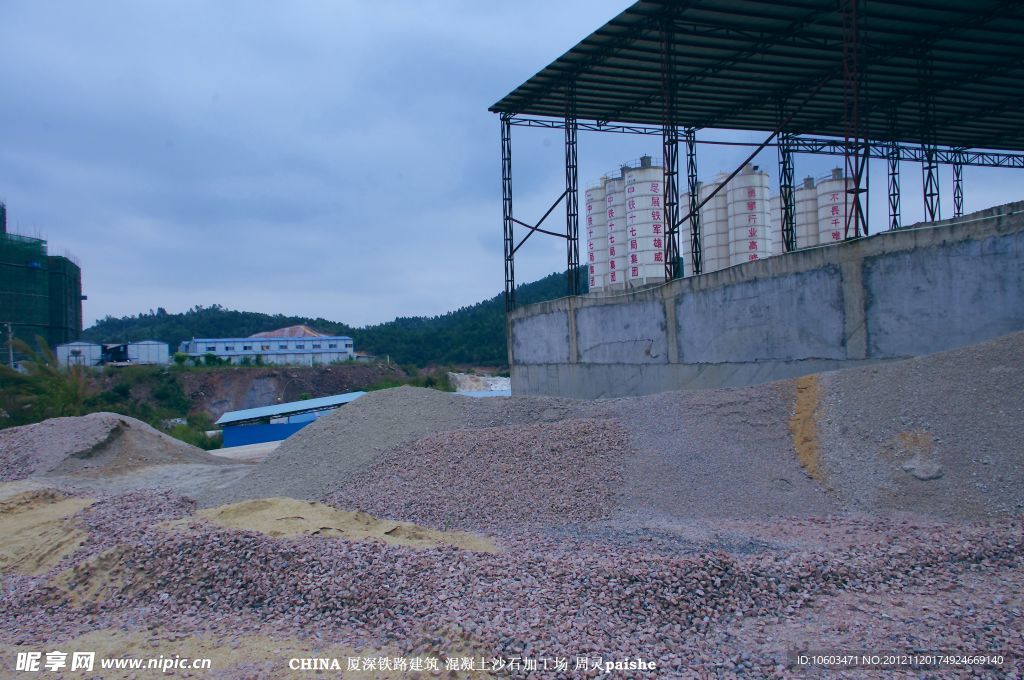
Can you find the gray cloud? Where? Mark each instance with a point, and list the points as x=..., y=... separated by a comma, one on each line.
x=330, y=158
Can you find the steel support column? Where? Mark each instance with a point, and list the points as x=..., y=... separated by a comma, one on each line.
x=506, y=210
x=670, y=199
x=572, y=210
x=893, y=161
x=958, y=187
x=857, y=147
x=670, y=153
x=787, y=193
x=929, y=153
x=693, y=188
x=930, y=184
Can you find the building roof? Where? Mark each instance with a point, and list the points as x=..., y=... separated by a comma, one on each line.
x=250, y=339
x=289, y=408
x=290, y=332
x=748, y=64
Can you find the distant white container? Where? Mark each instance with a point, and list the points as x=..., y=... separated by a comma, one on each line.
x=806, y=223
x=749, y=237
x=596, y=222
x=714, y=220
x=832, y=206
x=79, y=353
x=645, y=224
x=615, y=211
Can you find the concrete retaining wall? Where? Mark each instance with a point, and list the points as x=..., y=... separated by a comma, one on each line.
x=890, y=296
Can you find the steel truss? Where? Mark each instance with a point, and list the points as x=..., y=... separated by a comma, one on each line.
x=572, y=208
x=930, y=183
x=787, y=193
x=930, y=156
x=958, y=190
x=670, y=151
x=893, y=164
x=506, y=210
x=856, y=142
x=804, y=144
x=693, y=187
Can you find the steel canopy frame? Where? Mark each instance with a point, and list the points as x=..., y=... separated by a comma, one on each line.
x=927, y=81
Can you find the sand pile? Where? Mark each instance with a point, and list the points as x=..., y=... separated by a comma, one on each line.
x=36, y=531
x=98, y=443
x=290, y=518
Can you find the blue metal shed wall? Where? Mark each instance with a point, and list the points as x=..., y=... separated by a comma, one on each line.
x=240, y=435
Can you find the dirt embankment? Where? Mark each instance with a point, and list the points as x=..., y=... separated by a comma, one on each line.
x=215, y=392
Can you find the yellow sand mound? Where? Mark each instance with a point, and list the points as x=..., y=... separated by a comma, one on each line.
x=36, y=531
x=92, y=580
x=804, y=426
x=288, y=517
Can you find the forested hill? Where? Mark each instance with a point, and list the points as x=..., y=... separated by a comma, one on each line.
x=470, y=335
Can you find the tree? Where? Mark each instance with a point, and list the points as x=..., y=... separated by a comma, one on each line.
x=45, y=389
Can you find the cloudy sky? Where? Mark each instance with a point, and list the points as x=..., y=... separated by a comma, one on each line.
x=326, y=158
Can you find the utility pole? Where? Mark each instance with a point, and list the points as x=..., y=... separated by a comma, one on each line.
x=10, y=345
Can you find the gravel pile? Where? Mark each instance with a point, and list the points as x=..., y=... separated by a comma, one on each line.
x=39, y=448
x=691, y=614
x=941, y=434
x=332, y=450
x=715, y=454
x=510, y=477
x=95, y=443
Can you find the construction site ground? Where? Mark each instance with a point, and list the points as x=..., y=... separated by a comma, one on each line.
x=721, y=533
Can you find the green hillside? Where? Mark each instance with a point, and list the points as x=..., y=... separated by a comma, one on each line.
x=470, y=335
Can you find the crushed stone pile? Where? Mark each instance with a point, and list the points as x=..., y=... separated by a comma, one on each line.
x=98, y=443
x=941, y=434
x=332, y=450
x=486, y=478
x=693, y=614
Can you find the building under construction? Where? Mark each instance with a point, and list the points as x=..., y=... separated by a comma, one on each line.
x=40, y=294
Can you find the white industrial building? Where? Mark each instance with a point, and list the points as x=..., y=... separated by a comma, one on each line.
x=79, y=353
x=295, y=345
x=143, y=352
x=741, y=223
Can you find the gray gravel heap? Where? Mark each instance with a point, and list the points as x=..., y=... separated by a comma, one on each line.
x=330, y=451
x=941, y=434
x=514, y=477
x=95, y=442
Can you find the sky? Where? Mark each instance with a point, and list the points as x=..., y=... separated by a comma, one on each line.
x=329, y=158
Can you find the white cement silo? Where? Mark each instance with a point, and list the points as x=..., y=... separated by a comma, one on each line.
x=775, y=224
x=645, y=224
x=597, y=236
x=685, y=231
x=615, y=213
x=714, y=222
x=832, y=202
x=806, y=222
x=749, y=238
